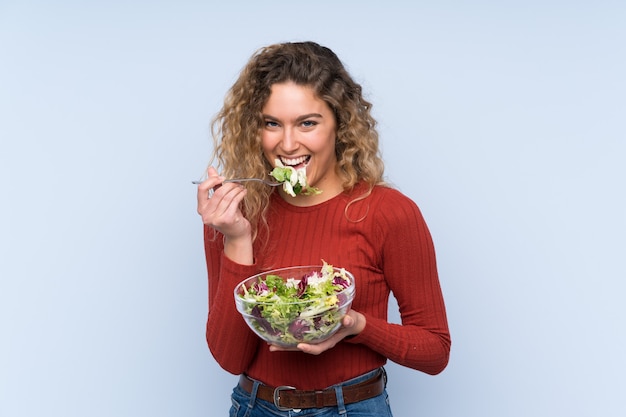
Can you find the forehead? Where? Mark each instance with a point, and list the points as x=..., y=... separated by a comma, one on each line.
x=290, y=97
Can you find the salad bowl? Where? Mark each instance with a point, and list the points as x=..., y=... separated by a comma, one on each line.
x=300, y=304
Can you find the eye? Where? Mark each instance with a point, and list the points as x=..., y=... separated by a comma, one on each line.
x=271, y=124
x=309, y=123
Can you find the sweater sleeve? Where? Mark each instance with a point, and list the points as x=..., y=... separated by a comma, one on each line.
x=230, y=340
x=422, y=341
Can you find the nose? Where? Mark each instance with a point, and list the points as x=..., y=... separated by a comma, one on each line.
x=289, y=141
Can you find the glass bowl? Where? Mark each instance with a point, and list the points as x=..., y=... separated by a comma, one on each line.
x=297, y=304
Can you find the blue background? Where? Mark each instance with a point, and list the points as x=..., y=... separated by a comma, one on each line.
x=504, y=120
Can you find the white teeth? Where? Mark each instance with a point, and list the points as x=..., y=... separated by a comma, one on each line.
x=294, y=161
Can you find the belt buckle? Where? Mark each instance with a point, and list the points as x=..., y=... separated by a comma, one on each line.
x=277, y=391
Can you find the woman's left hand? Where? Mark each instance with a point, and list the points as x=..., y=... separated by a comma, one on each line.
x=352, y=324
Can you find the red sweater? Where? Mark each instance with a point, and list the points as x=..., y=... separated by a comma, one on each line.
x=390, y=249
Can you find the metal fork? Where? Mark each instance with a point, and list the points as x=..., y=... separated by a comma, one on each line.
x=267, y=182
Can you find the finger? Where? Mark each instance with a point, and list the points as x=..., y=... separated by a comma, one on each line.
x=228, y=199
x=222, y=210
x=212, y=172
x=276, y=348
x=314, y=349
x=206, y=187
x=212, y=178
x=348, y=321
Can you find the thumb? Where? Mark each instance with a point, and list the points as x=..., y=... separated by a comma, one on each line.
x=212, y=172
x=348, y=321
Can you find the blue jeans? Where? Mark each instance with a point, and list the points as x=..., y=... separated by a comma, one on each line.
x=246, y=405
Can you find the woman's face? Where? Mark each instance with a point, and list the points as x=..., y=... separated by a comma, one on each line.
x=300, y=129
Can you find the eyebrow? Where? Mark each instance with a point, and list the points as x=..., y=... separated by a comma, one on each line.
x=298, y=119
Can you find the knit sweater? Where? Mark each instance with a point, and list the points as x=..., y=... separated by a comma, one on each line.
x=384, y=242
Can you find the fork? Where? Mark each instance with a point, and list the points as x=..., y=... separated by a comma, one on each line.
x=266, y=182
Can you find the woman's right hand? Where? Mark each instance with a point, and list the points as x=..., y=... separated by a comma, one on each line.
x=219, y=206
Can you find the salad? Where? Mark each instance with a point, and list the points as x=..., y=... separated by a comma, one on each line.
x=288, y=310
x=294, y=180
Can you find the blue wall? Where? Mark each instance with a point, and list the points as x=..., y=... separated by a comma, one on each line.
x=503, y=120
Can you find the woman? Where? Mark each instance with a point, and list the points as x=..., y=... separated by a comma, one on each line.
x=295, y=103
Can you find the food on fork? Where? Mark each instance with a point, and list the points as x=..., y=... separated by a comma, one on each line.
x=294, y=180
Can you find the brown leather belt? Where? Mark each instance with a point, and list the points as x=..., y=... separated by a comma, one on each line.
x=288, y=398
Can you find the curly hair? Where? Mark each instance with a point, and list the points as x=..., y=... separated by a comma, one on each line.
x=236, y=129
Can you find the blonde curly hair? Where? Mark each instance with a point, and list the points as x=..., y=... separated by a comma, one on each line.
x=236, y=129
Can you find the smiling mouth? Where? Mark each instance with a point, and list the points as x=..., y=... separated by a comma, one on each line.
x=297, y=163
